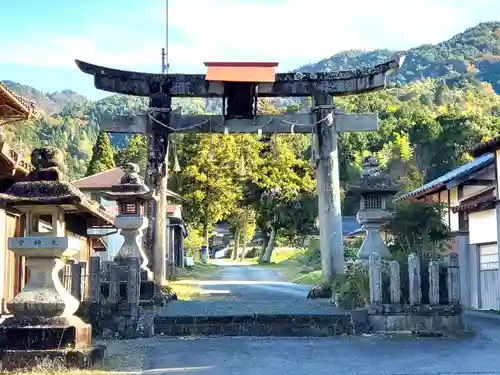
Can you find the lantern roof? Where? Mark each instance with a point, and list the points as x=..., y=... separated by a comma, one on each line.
x=48, y=186
x=374, y=180
x=131, y=186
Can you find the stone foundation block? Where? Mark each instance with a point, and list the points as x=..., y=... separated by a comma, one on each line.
x=44, y=333
x=68, y=358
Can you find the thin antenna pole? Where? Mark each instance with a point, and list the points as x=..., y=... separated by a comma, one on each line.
x=163, y=60
x=164, y=53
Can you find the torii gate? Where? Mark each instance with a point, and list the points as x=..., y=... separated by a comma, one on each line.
x=239, y=85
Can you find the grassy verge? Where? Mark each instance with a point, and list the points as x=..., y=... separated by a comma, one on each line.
x=48, y=371
x=106, y=367
x=310, y=278
x=186, y=287
x=199, y=271
x=296, y=265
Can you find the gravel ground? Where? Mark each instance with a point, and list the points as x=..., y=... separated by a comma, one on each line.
x=127, y=356
x=238, y=308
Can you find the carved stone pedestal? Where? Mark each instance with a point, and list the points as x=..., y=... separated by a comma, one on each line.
x=370, y=221
x=131, y=228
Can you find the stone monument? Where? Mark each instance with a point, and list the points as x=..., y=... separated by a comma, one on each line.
x=375, y=190
x=44, y=325
x=131, y=195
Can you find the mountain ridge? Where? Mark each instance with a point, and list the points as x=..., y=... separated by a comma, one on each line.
x=473, y=54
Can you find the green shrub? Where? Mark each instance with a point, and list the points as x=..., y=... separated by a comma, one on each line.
x=352, y=289
x=252, y=252
x=417, y=227
x=193, y=242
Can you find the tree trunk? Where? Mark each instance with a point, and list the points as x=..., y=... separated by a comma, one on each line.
x=264, y=245
x=266, y=258
x=234, y=255
x=205, y=233
x=245, y=239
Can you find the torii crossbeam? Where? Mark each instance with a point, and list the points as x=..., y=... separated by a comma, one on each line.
x=240, y=84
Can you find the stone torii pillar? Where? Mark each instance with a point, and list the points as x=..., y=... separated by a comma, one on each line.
x=230, y=81
x=328, y=187
x=157, y=178
x=328, y=122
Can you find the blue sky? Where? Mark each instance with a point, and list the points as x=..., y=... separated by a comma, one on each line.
x=41, y=38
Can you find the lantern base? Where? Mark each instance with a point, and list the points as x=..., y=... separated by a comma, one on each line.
x=44, y=333
x=70, y=358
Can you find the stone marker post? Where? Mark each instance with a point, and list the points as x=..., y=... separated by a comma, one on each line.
x=375, y=272
x=76, y=280
x=434, y=283
x=95, y=280
x=414, y=279
x=453, y=280
x=114, y=284
x=395, y=274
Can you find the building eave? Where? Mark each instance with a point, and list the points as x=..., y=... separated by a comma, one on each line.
x=490, y=145
x=441, y=182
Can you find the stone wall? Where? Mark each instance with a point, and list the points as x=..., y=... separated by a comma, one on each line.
x=439, y=314
x=113, y=305
x=120, y=302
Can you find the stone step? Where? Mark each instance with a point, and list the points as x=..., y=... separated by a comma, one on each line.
x=308, y=318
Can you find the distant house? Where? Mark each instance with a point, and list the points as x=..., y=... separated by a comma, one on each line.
x=350, y=226
x=93, y=186
x=221, y=234
x=470, y=194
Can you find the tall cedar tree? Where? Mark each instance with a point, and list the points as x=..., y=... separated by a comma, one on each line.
x=136, y=152
x=102, y=156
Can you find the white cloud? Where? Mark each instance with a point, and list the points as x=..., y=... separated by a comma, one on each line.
x=291, y=32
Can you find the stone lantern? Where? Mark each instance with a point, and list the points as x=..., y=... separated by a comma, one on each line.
x=131, y=195
x=44, y=324
x=376, y=191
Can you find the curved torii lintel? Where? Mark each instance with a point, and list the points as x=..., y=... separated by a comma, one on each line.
x=337, y=83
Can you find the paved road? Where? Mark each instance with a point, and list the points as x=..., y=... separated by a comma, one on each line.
x=302, y=356
x=370, y=355
x=250, y=283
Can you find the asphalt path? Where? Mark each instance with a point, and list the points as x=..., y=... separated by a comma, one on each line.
x=367, y=355
x=235, y=280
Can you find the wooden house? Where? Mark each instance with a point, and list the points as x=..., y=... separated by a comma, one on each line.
x=14, y=167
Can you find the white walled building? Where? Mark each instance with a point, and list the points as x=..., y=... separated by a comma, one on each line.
x=470, y=195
